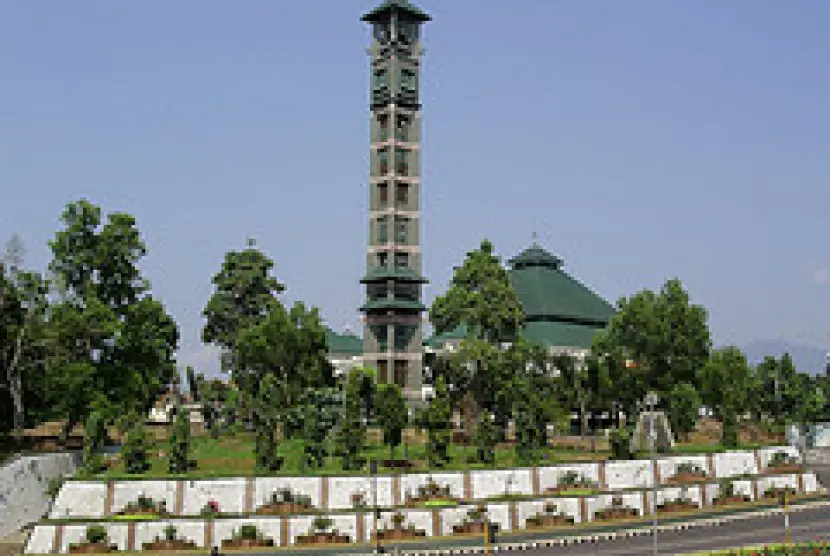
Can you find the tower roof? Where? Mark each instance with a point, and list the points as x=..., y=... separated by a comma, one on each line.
x=547, y=293
x=402, y=6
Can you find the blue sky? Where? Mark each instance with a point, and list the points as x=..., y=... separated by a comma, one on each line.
x=641, y=140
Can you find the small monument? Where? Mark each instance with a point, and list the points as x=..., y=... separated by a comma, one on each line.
x=652, y=427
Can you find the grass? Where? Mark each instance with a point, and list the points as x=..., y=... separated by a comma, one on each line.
x=234, y=456
x=779, y=549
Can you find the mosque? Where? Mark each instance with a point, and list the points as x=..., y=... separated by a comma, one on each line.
x=562, y=314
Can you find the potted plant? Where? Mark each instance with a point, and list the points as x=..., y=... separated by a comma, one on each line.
x=687, y=472
x=322, y=533
x=398, y=531
x=171, y=541
x=284, y=501
x=549, y=517
x=95, y=540
x=247, y=536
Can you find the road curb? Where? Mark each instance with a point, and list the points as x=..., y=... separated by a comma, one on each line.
x=619, y=534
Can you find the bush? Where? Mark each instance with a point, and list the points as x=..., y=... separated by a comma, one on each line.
x=248, y=532
x=180, y=442
x=96, y=534
x=170, y=533
x=620, y=440
x=135, y=449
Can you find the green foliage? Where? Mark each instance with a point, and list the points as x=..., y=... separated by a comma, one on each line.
x=726, y=366
x=317, y=412
x=96, y=534
x=664, y=333
x=95, y=434
x=531, y=437
x=392, y=415
x=136, y=447
x=481, y=297
x=106, y=333
x=248, y=532
x=484, y=439
x=170, y=533
x=270, y=398
x=192, y=383
x=351, y=433
x=620, y=440
x=683, y=405
x=179, y=448
x=437, y=420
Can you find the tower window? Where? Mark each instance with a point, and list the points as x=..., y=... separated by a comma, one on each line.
x=383, y=260
x=401, y=162
x=383, y=127
x=383, y=371
x=402, y=260
x=383, y=194
x=383, y=161
x=381, y=336
x=402, y=125
x=403, y=335
x=402, y=194
x=401, y=229
x=400, y=373
x=383, y=230
x=407, y=79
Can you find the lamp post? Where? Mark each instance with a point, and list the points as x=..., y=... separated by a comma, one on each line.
x=651, y=401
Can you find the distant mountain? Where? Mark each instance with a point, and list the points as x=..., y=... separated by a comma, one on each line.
x=806, y=358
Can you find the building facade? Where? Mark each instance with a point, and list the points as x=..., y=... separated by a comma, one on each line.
x=393, y=309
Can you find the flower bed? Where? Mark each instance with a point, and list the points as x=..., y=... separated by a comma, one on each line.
x=399, y=531
x=169, y=542
x=322, y=533
x=617, y=510
x=95, y=541
x=677, y=505
x=572, y=482
x=247, y=536
x=431, y=494
x=145, y=506
x=550, y=517
x=286, y=502
x=687, y=472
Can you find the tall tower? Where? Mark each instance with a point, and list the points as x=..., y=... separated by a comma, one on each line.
x=393, y=310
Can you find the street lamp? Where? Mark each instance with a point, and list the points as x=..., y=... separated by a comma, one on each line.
x=651, y=401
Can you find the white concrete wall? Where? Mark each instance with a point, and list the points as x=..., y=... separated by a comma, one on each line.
x=731, y=464
x=80, y=499
x=265, y=486
x=409, y=484
x=549, y=476
x=186, y=529
x=341, y=490
x=127, y=492
x=224, y=529
x=228, y=493
x=488, y=484
x=766, y=454
x=23, y=485
x=41, y=540
x=667, y=467
x=628, y=474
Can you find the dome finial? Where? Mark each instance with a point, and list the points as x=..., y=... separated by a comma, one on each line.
x=535, y=238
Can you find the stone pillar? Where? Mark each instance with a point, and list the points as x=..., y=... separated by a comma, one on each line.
x=468, y=486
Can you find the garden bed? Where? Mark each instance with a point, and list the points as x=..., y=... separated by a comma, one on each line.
x=169, y=544
x=784, y=469
x=400, y=534
x=677, y=506
x=247, y=543
x=540, y=521
x=615, y=513
x=730, y=500
x=686, y=478
x=469, y=528
x=285, y=508
x=92, y=548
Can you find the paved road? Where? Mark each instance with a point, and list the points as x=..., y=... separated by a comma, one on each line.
x=805, y=526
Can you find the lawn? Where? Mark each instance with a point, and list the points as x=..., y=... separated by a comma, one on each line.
x=234, y=456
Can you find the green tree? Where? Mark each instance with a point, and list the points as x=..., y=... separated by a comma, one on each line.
x=726, y=366
x=110, y=344
x=244, y=295
x=684, y=403
x=319, y=410
x=179, y=442
x=95, y=434
x=436, y=420
x=351, y=433
x=390, y=409
x=192, y=383
x=136, y=447
x=663, y=333
x=270, y=398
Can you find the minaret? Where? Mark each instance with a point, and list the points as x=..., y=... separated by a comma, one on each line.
x=393, y=310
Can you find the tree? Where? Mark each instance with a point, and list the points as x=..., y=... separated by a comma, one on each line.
x=95, y=434
x=269, y=400
x=179, y=449
x=436, y=420
x=683, y=404
x=319, y=410
x=391, y=412
x=136, y=446
x=351, y=434
x=110, y=343
x=245, y=294
x=726, y=366
x=664, y=334
x=192, y=383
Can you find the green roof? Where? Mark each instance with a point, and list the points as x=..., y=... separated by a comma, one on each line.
x=392, y=304
x=560, y=334
x=546, y=292
x=380, y=274
x=457, y=333
x=347, y=344
x=388, y=6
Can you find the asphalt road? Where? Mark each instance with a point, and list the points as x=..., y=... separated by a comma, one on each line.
x=805, y=526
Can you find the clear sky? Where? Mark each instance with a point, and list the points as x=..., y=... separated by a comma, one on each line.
x=641, y=140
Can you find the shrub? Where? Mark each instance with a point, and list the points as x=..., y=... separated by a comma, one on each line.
x=96, y=534
x=248, y=532
x=322, y=524
x=170, y=533
x=620, y=440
